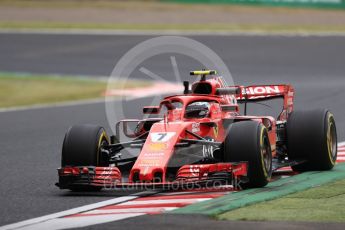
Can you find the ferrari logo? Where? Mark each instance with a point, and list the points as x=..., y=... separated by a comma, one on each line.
x=215, y=130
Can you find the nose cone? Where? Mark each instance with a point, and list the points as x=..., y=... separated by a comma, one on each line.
x=153, y=159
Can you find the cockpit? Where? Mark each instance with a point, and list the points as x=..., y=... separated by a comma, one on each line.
x=198, y=109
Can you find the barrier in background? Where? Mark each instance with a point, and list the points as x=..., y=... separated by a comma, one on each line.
x=340, y=4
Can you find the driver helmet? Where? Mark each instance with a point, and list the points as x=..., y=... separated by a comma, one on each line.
x=198, y=109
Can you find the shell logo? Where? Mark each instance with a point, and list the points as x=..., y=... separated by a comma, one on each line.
x=157, y=146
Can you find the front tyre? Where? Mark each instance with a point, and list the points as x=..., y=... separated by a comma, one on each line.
x=82, y=146
x=248, y=141
x=312, y=136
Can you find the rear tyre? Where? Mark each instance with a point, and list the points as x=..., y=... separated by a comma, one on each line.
x=248, y=141
x=81, y=147
x=312, y=136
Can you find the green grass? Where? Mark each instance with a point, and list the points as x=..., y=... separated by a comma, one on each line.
x=135, y=7
x=171, y=27
x=21, y=90
x=77, y=3
x=321, y=204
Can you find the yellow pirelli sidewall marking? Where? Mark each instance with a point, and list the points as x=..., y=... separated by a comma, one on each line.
x=330, y=150
x=103, y=135
x=261, y=144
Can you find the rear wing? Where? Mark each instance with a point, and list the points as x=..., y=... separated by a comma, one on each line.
x=267, y=92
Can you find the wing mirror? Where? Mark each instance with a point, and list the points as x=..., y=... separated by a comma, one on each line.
x=151, y=110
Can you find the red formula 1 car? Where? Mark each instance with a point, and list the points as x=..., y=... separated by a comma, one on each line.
x=202, y=138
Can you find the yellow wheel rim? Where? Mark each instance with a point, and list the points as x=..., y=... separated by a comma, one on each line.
x=331, y=140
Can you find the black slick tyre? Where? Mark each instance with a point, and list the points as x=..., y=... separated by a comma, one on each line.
x=248, y=141
x=312, y=136
x=81, y=146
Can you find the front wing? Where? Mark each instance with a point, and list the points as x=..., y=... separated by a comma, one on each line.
x=111, y=178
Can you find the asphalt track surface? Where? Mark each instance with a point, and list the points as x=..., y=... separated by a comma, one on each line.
x=31, y=140
x=192, y=222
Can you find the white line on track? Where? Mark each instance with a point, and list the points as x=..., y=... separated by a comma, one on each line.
x=340, y=144
x=63, y=104
x=129, y=94
x=167, y=32
x=53, y=221
x=55, y=105
x=78, y=222
x=32, y=223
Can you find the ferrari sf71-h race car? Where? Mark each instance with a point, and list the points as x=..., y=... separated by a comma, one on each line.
x=201, y=137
